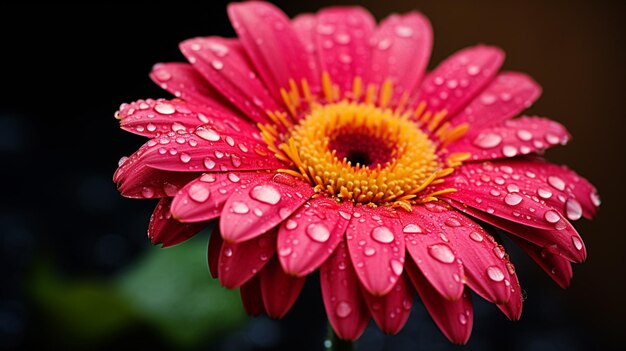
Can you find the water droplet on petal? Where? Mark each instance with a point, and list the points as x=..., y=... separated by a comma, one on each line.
x=476, y=236
x=382, y=234
x=291, y=224
x=494, y=273
x=318, y=232
x=512, y=188
x=524, y=135
x=487, y=140
x=122, y=160
x=217, y=64
x=462, y=318
x=199, y=192
x=551, y=216
x=509, y=150
x=343, y=310
x=233, y=177
x=513, y=199
x=185, y=157
x=452, y=222
x=578, y=244
x=544, y=193
x=147, y=192
x=369, y=251
x=473, y=70
x=573, y=210
x=162, y=75
x=240, y=207
x=209, y=163
x=412, y=228
x=442, y=253
x=345, y=215
x=595, y=199
x=228, y=252
x=404, y=31
x=265, y=193
x=396, y=266
x=207, y=134
x=556, y=182
x=164, y=108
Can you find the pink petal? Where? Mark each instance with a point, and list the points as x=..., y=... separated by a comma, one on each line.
x=151, y=118
x=239, y=262
x=484, y=261
x=507, y=95
x=458, y=79
x=149, y=183
x=443, y=272
x=204, y=198
x=343, y=35
x=564, y=241
x=267, y=203
x=311, y=234
x=271, y=43
x=454, y=318
x=165, y=230
x=183, y=81
x=215, y=247
x=557, y=267
x=206, y=150
x=252, y=297
x=513, y=308
x=345, y=307
x=376, y=245
x=279, y=290
x=305, y=25
x=224, y=64
x=511, y=138
x=391, y=311
x=401, y=48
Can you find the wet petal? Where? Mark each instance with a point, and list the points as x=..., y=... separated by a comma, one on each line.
x=264, y=205
x=484, y=261
x=506, y=96
x=305, y=25
x=557, y=267
x=391, y=311
x=511, y=138
x=401, y=48
x=151, y=118
x=183, y=81
x=561, y=240
x=454, y=318
x=239, y=262
x=376, y=245
x=224, y=64
x=433, y=256
x=279, y=289
x=204, y=198
x=251, y=296
x=458, y=79
x=513, y=308
x=345, y=307
x=343, y=35
x=215, y=247
x=165, y=230
x=206, y=150
x=268, y=38
x=149, y=183
x=311, y=234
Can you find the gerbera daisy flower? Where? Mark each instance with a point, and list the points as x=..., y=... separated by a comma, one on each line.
x=320, y=143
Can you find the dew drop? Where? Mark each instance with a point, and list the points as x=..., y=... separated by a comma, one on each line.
x=291, y=224
x=240, y=207
x=452, y=222
x=442, y=253
x=233, y=177
x=412, y=228
x=345, y=215
x=487, y=140
x=369, y=251
x=544, y=193
x=462, y=318
x=164, y=108
x=228, y=252
x=199, y=192
x=494, y=273
x=147, y=192
x=285, y=251
x=573, y=210
x=382, y=234
x=384, y=44
x=217, y=64
x=122, y=160
x=512, y=188
x=207, y=134
x=162, y=75
x=265, y=193
x=209, y=163
x=595, y=199
x=551, y=216
x=578, y=244
x=476, y=236
x=488, y=99
x=473, y=70
x=556, y=182
x=513, y=199
x=524, y=135
x=185, y=157
x=396, y=266
x=318, y=232
x=509, y=150
x=208, y=178
x=404, y=31
x=343, y=310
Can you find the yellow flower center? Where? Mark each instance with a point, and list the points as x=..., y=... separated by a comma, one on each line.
x=355, y=148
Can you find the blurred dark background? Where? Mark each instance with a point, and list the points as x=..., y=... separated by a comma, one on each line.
x=78, y=270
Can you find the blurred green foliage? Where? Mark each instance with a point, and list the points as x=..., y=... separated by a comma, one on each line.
x=169, y=291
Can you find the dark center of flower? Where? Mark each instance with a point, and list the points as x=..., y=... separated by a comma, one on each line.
x=360, y=148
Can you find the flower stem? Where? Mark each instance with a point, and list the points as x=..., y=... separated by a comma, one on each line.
x=334, y=343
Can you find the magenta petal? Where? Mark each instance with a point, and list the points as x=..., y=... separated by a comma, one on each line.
x=484, y=261
x=391, y=311
x=512, y=137
x=206, y=150
x=507, y=95
x=265, y=204
x=271, y=43
x=454, y=318
x=224, y=64
x=165, y=230
x=149, y=183
x=215, y=247
x=445, y=273
x=251, y=296
x=458, y=79
x=343, y=35
x=557, y=267
x=305, y=27
x=279, y=289
x=345, y=307
x=401, y=48
x=239, y=262
x=564, y=241
x=513, y=308
x=311, y=234
x=204, y=198
x=151, y=118
x=183, y=81
x=376, y=245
